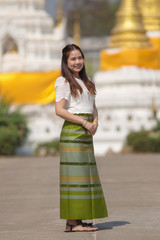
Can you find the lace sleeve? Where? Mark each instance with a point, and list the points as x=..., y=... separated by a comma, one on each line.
x=62, y=89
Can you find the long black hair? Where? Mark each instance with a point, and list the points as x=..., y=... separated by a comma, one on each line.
x=67, y=74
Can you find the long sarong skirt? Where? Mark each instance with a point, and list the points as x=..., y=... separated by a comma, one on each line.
x=81, y=194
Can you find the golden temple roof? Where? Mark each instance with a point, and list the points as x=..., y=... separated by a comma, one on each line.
x=129, y=31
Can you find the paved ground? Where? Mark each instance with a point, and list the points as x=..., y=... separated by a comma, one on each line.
x=29, y=198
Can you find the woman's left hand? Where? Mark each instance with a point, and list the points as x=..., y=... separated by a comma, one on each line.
x=94, y=128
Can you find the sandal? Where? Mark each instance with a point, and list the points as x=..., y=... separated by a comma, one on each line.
x=83, y=230
x=84, y=224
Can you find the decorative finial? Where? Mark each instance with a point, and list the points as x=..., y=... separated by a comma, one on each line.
x=77, y=29
x=129, y=31
x=59, y=12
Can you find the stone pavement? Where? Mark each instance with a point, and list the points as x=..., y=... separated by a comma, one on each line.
x=29, y=199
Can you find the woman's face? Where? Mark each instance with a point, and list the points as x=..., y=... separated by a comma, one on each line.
x=75, y=61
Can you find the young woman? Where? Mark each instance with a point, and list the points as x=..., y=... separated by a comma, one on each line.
x=81, y=194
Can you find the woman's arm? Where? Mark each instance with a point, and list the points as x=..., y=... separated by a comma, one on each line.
x=95, y=118
x=95, y=114
x=63, y=113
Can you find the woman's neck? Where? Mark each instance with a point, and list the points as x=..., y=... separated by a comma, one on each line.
x=76, y=75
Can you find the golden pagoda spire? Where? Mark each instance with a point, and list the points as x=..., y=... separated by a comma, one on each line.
x=150, y=10
x=77, y=30
x=59, y=12
x=129, y=31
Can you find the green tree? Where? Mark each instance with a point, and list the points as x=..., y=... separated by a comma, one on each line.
x=13, y=128
x=96, y=17
x=144, y=141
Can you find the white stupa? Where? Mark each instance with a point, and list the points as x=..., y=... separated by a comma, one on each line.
x=126, y=89
x=29, y=39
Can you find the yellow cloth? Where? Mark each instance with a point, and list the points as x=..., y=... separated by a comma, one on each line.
x=148, y=58
x=155, y=42
x=28, y=88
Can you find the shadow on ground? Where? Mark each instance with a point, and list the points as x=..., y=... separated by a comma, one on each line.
x=110, y=225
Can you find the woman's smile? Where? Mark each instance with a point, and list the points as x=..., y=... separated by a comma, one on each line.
x=78, y=66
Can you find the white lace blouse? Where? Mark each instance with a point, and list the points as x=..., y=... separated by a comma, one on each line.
x=82, y=104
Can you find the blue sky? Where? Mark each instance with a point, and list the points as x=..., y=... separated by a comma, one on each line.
x=51, y=6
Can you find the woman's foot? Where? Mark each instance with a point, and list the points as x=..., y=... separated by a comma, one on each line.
x=84, y=224
x=79, y=228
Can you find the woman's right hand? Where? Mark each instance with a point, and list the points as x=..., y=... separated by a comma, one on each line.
x=90, y=127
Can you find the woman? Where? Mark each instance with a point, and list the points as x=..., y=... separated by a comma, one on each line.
x=81, y=194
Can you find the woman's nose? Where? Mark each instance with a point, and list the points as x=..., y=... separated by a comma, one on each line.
x=77, y=60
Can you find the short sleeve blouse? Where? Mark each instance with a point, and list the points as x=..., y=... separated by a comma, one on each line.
x=84, y=103
x=62, y=89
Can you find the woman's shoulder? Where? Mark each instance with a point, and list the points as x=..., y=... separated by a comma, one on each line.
x=61, y=80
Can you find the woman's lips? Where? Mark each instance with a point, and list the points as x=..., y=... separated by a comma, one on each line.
x=77, y=66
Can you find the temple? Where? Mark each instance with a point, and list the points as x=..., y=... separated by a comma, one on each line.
x=29, y=38
x=129, y=76
x=30, y=57
x=129, y=31
x=128, y=81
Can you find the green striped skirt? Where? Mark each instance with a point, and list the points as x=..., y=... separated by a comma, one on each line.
x=81, y=194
